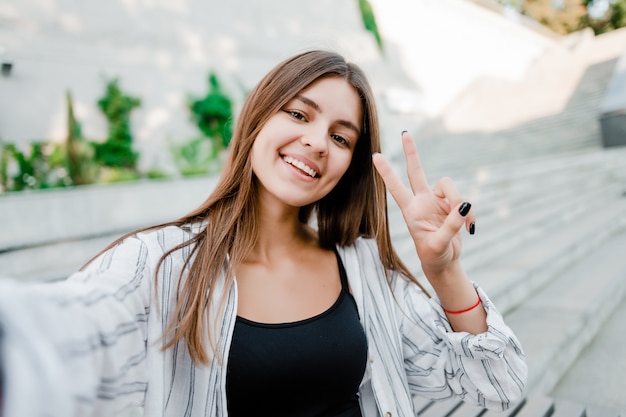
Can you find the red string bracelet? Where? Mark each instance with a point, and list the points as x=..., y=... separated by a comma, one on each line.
x=464, y=311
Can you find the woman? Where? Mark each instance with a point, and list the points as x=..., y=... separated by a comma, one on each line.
x=280, y=295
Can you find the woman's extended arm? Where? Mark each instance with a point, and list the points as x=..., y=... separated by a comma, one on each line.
x=78, y=347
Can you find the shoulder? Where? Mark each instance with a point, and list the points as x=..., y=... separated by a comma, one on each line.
x=365, y=246
x=362, y=257
x=163, y=239
x=365, y=250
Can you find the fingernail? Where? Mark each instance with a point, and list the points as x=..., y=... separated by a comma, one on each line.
x=465, y=208
x=472, y=228
x=403, y=132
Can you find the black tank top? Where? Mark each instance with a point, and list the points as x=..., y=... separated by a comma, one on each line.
x=308, y=368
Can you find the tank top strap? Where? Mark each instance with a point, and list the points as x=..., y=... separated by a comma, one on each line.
x=342, y=272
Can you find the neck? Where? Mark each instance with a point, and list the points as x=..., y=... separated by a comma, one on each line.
x=280, y=233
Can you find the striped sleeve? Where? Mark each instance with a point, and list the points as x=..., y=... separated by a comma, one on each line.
x=487, y=369
x=78, y=347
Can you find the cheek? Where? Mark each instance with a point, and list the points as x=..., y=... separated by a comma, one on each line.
x=256, y=159
x=347, y=161
x=342, y=167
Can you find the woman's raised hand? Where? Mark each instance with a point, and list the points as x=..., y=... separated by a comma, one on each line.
x=434, y=216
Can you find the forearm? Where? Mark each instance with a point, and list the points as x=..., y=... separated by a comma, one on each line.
x=487, y=369
x=459, y=299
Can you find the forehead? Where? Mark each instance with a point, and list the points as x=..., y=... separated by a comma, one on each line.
x=335, y=95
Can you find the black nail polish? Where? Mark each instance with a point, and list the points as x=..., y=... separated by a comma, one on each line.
x=465, y=208
x=472, y=228
x=403, y=132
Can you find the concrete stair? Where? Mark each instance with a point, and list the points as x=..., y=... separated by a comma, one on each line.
x=548, y=249
x=551, y=228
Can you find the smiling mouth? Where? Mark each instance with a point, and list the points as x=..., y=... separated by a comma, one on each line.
x=301, y=166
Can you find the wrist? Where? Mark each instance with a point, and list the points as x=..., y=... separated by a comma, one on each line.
x=454, y=289
x=450, y=276
x=465, y=310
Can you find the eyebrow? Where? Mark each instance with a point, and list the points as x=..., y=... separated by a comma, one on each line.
x=345, y=123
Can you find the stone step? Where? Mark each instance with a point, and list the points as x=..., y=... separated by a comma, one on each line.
x=509, y=216
x=527, y=186
x=491, y=186
x=499, y=236
x=556, y=323
x=516, y=269
x=529, y=207
x=587, y=380
x=531, y=141
x=518, y=274
x=508, y=169
x=53, y=261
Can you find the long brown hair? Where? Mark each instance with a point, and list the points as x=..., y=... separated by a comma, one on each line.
x=357, y=206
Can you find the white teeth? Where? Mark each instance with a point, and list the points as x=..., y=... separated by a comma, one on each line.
x=301, y=165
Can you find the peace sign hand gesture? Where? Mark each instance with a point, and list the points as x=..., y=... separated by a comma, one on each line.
x=434, y=216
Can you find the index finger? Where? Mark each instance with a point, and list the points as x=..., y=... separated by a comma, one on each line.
x=396, y=188
x=414, y=169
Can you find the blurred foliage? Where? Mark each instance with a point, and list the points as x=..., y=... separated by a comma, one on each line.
x=38, y=165
x=369, y=20
x=614, y=18
x=109, y=174
x=562, y=17
x=81, y=167
x=567, y=16
x=155, y=174
x=117, y=150
x=77, y=161
x=213, y=114
x=195, y=157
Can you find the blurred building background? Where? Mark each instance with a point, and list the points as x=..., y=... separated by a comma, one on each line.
x=512, y=109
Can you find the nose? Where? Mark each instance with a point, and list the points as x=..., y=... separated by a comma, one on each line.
x=316, y=140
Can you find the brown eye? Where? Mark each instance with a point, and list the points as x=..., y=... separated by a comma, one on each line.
x=296, y=114
x=340, y=140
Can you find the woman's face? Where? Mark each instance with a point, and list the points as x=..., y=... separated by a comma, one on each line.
x=304, y=149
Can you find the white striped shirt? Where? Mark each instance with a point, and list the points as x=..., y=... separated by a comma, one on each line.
x=91, y=345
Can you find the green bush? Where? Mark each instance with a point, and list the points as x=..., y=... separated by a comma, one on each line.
x=213, y=114
x=39, y=166
x=117, y=149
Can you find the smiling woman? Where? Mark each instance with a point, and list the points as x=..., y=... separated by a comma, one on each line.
x=281, y=294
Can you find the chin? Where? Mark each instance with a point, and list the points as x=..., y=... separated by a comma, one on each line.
x=299, y=203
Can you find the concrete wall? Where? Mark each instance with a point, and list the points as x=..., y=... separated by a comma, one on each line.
x=161, y=51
